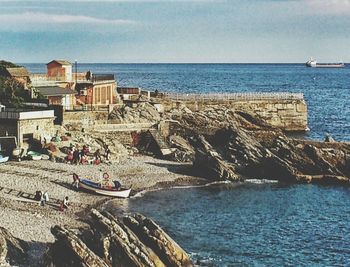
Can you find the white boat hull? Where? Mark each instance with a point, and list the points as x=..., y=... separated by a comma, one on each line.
x=121, y=193
x=4, y=159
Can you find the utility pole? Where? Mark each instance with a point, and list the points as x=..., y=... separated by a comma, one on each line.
x=76, y=72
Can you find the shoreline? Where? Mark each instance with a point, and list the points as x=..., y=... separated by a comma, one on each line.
x=31, y=222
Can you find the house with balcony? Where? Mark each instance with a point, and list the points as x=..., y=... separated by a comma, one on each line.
x=97, y=90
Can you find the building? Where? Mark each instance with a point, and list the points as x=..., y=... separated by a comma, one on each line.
x=27, y=125
x=59, y=70
x=99, y=90
x=20, y=74
x=58, y=96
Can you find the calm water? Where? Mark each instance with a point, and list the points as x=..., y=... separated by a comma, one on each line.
x=255, y=224
x=252, y=224
x=327, y=91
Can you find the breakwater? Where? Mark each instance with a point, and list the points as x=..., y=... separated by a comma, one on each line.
x=287, y=111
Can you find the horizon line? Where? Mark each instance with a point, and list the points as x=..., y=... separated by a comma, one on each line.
x=73, y=62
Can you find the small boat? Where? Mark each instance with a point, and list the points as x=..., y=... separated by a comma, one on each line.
x=34, y=155
x=313, y=64
x=3, y=159
x=104, y=190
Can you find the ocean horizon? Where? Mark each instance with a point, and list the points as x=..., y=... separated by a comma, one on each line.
x=325, y=90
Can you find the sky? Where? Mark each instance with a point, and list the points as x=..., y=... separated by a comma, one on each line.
x=175, y=31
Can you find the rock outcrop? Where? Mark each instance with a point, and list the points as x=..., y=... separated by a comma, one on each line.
x=142, y=112
x=233, y=145
x=131, y=241
x=12, y=250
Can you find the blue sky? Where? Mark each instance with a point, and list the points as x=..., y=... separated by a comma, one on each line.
x=175, y=30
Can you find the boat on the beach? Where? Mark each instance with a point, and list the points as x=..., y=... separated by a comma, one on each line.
x=3, y=159
x=98, y=188
x=313, y=64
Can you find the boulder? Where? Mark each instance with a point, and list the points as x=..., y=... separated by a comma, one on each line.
x=209, y=162
x=155, y=238
x=12, y=250
x=134, y=241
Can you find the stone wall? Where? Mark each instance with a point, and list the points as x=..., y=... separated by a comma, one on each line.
x=85, y=118
x=39, y=128
x=287, y=114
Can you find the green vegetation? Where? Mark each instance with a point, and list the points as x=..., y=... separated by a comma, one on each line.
x=12, y=92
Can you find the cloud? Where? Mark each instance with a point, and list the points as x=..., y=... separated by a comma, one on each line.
x=37, y=22
x=38, y=18
x=335, y=7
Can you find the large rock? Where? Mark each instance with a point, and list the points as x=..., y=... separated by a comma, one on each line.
x=233, y=145
x=209, y=162
x=139, y=113
x=155, y=238
x=12, y=250
x=135, y=241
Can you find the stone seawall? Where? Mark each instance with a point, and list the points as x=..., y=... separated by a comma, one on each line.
x=288, y=112
x=85, y=118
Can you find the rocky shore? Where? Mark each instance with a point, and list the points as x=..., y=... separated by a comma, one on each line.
x=30, y=224
x=214, y=144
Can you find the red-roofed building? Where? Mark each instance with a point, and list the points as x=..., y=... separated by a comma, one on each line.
x=60, y=70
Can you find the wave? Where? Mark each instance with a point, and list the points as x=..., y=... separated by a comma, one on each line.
x=261, y=181
x=141, y=193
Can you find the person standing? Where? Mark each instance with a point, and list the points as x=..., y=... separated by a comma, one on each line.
x=46, y=197
x=107, y=152
x=42, y=199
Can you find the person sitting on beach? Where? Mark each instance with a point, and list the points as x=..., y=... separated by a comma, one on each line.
x=37, y=196
x=76, y=156
x=64, y=204
x=97, y=156
x=69, y=157
x=117, y=185
x=86, y=149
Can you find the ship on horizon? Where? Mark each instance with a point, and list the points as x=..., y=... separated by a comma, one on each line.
x=313, y=63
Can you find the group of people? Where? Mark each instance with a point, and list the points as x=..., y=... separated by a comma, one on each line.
x=81, y=156
x=43, y=198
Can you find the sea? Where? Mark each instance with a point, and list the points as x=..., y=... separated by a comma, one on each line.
x=255, y=223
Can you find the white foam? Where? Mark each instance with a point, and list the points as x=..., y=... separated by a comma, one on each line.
x=141, y=193
x=261, y=181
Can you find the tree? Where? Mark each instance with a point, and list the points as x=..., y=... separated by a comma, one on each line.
x=11, y=91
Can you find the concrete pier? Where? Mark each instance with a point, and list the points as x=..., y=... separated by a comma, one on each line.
x=287, y=111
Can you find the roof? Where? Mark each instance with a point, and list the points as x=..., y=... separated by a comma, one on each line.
x=18, y=72
x=55, y=91
x=61, y=62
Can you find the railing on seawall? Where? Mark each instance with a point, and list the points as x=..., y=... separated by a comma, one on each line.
x=235, y=96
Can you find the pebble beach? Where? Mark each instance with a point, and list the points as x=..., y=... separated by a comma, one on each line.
x=29, y=221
